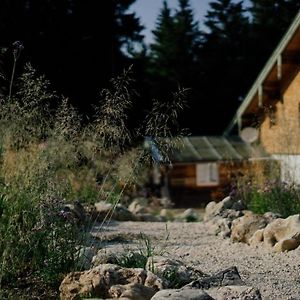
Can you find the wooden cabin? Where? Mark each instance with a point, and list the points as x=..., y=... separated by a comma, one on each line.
x=202, y=169
x=272, y=105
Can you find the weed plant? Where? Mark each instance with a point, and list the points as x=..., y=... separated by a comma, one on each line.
x=138, y=258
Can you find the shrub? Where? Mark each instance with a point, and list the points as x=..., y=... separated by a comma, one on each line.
x=275, y=196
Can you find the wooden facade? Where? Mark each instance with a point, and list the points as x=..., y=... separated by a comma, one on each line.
x=204, y=168
x=185, y=192
x=273, y=105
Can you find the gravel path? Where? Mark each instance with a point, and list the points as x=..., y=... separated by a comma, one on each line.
x=276, y=275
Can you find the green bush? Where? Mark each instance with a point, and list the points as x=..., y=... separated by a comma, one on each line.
x=275, y=196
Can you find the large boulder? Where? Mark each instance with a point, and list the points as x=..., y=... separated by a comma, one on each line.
x=243, y=228
x=98, y=281
x=283, y=234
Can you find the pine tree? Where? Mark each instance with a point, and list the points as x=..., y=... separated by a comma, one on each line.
x=224, y=55
x=173, y=59
x=77, y=44
x=270, y=20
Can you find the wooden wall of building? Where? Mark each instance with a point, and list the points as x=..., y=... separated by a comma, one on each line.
x=185, y=192
x=280, y=130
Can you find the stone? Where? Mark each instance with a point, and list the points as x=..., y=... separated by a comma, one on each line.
x=85, y=257
x=282, y=234
x=234, y=293
x=105, y=256
x=219, y=226
x=118, y=212
x=138, y=205
x=77, y=211
x=257, y=238
x=221, y=208
x=165, y=213
x=181, y=294
x=189, y=215
x=133, y=291
x=222, y=225
x=173, y=271
x=218, y=217
x=226, y=277
x=243, y=228
x=98, y=281
x=149, y=218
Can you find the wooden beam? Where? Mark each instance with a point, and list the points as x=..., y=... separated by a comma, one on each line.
x=260, y=96
x=279, y=67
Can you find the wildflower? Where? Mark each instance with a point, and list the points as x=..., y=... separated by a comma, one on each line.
x=17, y=49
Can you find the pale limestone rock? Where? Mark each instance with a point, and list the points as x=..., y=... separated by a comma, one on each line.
x=283, y=234
x=243, y=228
x=218, y=217
x=257, y=238
x=97, y=281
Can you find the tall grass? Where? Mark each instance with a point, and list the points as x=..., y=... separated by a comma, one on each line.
x=49, y=158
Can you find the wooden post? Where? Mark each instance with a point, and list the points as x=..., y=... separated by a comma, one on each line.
x=260, y=96
x=279, y=67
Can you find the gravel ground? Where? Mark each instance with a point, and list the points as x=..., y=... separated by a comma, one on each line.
x=277, y=276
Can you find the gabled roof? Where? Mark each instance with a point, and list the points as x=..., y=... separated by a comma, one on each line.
x=206, y=148
x=274, y=76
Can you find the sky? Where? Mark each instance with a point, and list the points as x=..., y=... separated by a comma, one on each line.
x=148, y=11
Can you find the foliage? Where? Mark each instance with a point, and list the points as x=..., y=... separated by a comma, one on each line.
x=173, y=54
x=37, y=238
x=273, y=195
x=50, y=157
x=85, y=40
x=225, y=57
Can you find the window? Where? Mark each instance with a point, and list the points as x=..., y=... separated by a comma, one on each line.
x=207, y=174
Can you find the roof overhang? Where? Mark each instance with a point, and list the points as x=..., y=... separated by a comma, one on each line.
x=273, y=77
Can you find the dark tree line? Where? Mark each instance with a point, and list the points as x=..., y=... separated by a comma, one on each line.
x=81, y=44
